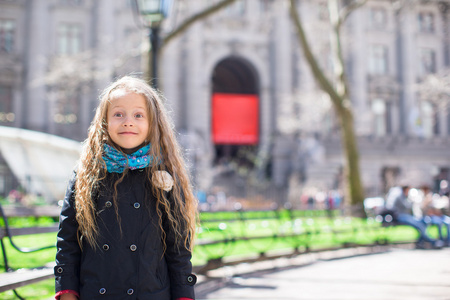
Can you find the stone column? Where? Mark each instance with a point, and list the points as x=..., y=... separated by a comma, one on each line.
x=445, y=10
x=197, y=107
x=282, y=85
x=282, y=66
x=36, y=105
x=103, y=44
x=407, y=66
x=171, y=74
x=356, y=28
x=195, y=99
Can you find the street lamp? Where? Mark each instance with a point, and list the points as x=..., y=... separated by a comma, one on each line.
x=153, y=13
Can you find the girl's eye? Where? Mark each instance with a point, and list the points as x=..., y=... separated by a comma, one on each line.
x=139, y=115
x=117, y=115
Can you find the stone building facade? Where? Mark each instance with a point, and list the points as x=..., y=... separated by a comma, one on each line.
x=56, y=55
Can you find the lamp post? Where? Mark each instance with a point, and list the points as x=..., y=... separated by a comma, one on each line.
x=153, y=13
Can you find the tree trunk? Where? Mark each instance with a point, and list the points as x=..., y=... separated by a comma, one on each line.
x=351, y=154
x=339, y=96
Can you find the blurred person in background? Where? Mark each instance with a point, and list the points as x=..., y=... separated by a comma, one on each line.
x=431, y=207
x=402, y=206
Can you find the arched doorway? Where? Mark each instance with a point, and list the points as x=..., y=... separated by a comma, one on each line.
x=235, y=111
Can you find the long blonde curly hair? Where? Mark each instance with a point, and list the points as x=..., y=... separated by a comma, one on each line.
x=180, y=209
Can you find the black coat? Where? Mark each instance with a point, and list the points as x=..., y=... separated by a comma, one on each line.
x=129, y=263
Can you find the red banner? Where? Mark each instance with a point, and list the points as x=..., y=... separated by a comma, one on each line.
x=235, y=119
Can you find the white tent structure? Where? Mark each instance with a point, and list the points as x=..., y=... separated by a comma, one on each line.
x=41, y=162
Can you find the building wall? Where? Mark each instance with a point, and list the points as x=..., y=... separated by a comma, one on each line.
x=297, y=125
x=51, y=83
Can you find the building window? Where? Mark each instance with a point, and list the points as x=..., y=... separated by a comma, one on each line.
x=427, y=119
x=6, y=105
x=7, y=29
x=381, y=122
x=378, y=18
x=427, y=61
x=430, y=118
x=378, y=60
x=69, y=39
x=66, y=110
x=426, y=22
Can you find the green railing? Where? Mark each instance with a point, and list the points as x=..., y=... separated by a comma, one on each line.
x=248, y=233
x=233, y=236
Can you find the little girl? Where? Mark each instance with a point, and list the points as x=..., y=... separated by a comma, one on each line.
x=129, y=214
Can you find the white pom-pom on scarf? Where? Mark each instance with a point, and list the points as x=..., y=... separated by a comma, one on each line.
x=162, y=180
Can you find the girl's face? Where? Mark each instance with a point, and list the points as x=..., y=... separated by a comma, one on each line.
x=127, y=117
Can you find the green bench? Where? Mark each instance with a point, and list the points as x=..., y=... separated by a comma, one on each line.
x=11, y=279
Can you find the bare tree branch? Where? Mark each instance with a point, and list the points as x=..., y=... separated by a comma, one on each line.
x=190, y=21
x=349, y=8
x=323, y=81
x=339, y=64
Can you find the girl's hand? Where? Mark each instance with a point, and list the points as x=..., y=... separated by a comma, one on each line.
x=68, y=296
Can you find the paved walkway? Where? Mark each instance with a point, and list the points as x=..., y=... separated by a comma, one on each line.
x=394, y=275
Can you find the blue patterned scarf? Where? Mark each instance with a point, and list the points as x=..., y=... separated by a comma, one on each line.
x=117, y=162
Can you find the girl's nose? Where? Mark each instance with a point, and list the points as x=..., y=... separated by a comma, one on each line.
x=128, y=122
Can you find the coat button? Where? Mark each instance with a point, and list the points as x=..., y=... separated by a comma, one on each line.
x=102, y=291
x=191, y=279
x=106, y=247
x=133, y=247
x=130, y=292
x=59, y=270
x=108, y=204
x=136, y=205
